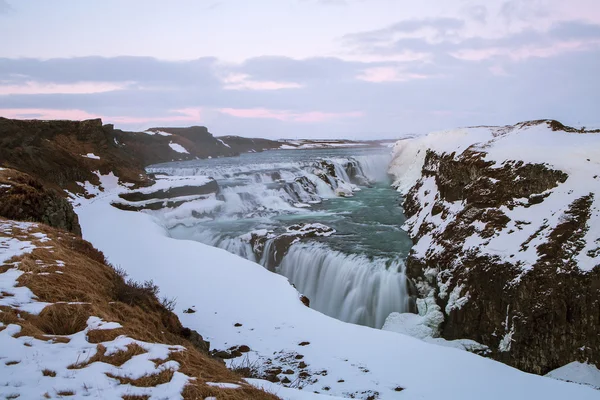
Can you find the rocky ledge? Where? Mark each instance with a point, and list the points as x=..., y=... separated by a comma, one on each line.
x=506, y=226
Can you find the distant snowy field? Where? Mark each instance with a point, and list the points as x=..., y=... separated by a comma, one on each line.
x=342, y=359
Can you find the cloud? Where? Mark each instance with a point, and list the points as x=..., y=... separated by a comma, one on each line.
x=245, y=82
x=335, y=98
x=477, y=13
x=288, y=116
x=188, y=115
x=5, y=8
x=562, y=37
x=33, y=87
x=388, y=74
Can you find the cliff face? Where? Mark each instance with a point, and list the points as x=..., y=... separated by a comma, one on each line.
x=24, y=198
x=505, y=225
x=159, y=145
x=61, y=153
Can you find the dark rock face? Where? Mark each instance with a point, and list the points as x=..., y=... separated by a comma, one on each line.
x=210, y=187
x=536, y=320
x=24, y=198
x=165, y=198
x=54, y=152
x=275, y=246
x=248, y=145
x=196, y=140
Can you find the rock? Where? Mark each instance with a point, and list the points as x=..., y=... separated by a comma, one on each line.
x=303, y=343
x=286, y=380
x=535, y=321
x=237, y=325
x=189, y=311
x=25, y=198
x=305, y=300
x=196, y=339
x=302, y=365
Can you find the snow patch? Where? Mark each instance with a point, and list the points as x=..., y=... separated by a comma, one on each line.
x=178, y=148
x=582, y=373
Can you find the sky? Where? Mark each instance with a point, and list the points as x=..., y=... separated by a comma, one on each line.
x=358, y=69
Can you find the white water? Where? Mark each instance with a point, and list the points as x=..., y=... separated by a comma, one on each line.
x=352, y=287
x=356, y=275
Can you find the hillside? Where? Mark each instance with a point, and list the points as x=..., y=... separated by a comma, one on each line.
x=506, y=226
x=70, y=325
x=114, y=338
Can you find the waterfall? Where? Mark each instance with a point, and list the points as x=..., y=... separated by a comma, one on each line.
x=352, y=288
x=257, y=201
x=258, y=189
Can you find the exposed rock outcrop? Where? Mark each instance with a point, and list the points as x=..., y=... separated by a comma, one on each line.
x=24, y=198
x=506, y=246
x=62, y=153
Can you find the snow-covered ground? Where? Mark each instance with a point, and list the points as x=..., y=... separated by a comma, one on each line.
x=576, y=154
x=178, y=148
x=57, y=366
x=341, y=359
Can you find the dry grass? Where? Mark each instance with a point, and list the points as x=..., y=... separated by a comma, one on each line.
x=117, y=359
x=66, y=393
x=135, y=397
x=88, y=279
x=151, y=380
x=63, y=319
x=48, y=372
x=104, y=335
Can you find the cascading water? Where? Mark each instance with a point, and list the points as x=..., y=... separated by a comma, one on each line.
x=356, y=274
x=354, y=288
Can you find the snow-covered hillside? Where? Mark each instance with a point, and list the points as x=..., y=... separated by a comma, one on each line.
x=237, y=302
x=506, y=222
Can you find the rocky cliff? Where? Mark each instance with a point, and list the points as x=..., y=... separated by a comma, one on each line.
x=506, y=226
x=159, y=145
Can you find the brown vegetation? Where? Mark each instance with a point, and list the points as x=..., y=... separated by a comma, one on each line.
x=99, y=290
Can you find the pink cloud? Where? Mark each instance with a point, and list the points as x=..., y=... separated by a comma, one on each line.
x=288, y=116
x=191, y=115
x=243, y=82
x=47, y=114
x=525, y=52
x=388, y=74
x=32, y=87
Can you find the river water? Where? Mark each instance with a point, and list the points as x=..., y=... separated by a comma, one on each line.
x=355, y=274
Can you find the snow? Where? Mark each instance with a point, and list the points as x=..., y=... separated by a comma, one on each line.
x=161, y=133
x=11, y=246
x=30, y=356
x=576, y=154
x=319, y=144
x=91, y=155
x=582, y=373
x=231, y=289
x=165, y=182
x=178, y=148
x=223, y=143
